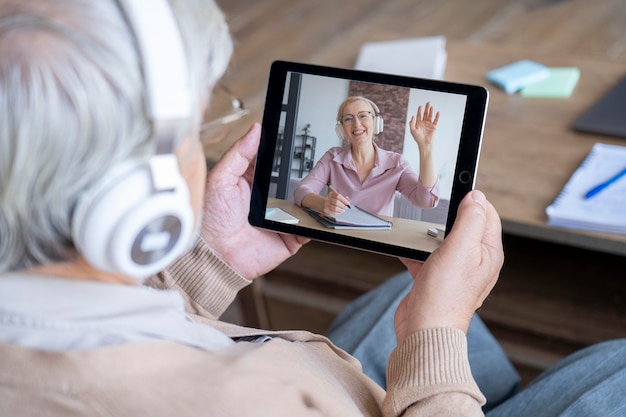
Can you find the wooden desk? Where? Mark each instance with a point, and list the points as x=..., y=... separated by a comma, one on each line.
x=529, y=150
x=405, y=232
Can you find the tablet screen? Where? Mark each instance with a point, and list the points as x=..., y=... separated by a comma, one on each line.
x=367, y=160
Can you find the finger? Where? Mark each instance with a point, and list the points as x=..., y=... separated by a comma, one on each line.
x=249, y=174
x=343, y=199
x=239, y=156
x=419, y=112
x=332, y=196
x=493, y=228
x=302, y=240
x=470, y=223
x=436, y=118
x=335, y=210
x=293, y=243
x=428, y=111
x=339, y=206
x=333, y=205
x=412, y=265
x=249, y=144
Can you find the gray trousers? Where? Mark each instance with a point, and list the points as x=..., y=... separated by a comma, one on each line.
x=590, y=383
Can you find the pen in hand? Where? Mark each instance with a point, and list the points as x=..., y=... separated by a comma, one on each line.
x=595, y=190
x=331, y=188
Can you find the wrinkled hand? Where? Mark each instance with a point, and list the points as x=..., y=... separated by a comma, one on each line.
x=335, y=203
x=457, y=277
x=423, y=127
x=225, y=228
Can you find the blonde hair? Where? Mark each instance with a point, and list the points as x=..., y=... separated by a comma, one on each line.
x=351, y=99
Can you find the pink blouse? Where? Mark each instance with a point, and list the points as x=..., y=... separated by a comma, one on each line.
x=391, y=172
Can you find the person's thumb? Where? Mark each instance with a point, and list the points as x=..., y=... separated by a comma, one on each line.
x=248, y=145
x=238, y=157
x=469, y=225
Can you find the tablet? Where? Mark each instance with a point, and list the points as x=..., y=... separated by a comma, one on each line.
x=308, y=150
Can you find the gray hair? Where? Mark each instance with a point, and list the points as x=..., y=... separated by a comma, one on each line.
x=72, y=105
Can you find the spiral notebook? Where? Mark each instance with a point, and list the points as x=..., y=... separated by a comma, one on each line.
x=353, y=218
x=605, y=211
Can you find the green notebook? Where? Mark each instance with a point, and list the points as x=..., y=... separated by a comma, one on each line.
x=559, y=84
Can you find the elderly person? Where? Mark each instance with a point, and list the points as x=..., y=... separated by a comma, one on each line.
x=362, y=173
x=80, y=335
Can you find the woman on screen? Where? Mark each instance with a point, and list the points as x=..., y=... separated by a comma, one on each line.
x=363, y=174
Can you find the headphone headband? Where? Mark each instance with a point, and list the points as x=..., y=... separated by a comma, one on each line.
x=164, y=67
x=138, y=218
x=374, y=106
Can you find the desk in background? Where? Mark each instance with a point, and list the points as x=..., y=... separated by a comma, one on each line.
x=404, y=232
x=529, y=149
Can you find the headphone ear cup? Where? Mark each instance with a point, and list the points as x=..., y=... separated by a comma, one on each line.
x=378, y=124
x=339, y=131
x=124, y=226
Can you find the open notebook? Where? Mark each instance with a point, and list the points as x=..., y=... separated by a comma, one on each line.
x=352, y=218
x=605, y=211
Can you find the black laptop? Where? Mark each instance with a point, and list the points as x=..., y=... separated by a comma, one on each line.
x=608, y=115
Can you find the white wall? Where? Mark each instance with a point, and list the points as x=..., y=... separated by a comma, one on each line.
x=320, y=98
x=451, y=108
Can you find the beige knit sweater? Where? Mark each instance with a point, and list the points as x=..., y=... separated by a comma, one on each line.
x=296, y=373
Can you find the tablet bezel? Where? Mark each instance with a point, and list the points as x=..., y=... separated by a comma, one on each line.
x=466, y=162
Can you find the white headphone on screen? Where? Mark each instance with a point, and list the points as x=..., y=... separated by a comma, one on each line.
x=138, y=218
x=378, y=120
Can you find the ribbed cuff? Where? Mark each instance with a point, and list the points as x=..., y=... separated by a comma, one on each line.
x=431, y=357
x=431, y=365
x=206, y=279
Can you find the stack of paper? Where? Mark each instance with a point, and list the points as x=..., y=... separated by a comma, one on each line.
x=419, y=57
x=280, y=215
x=594, y=198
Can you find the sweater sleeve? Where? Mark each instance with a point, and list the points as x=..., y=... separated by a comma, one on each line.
x=207, y=283
x=429, y=375
x=315, y=181
x=411, y=187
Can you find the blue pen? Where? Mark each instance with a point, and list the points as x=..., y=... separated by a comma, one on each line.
x=595, y=190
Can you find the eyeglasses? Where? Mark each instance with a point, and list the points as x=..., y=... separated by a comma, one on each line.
x=349, y=119
x=231, y=108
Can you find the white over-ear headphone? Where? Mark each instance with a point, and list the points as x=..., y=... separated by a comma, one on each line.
x=138, y=218
x=378, y=120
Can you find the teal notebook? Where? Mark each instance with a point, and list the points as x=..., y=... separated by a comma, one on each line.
x=559, y=84
x=518, y=75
